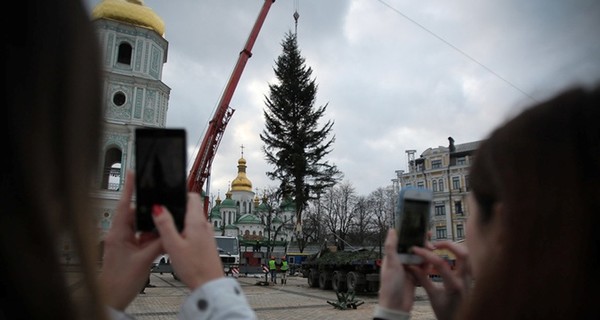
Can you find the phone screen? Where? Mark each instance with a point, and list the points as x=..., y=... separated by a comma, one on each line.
x=414, y=225
x=160, y=159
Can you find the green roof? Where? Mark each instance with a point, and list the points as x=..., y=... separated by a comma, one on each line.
x=228, y=203
x=248, y=218
x=215, y=213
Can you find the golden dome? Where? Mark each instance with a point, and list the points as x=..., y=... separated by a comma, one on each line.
x=129, y=11
x=241, y=182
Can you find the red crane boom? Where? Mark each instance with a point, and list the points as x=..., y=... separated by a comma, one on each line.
x=200, y=170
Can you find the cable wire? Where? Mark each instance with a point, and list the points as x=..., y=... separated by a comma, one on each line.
x=457, y=49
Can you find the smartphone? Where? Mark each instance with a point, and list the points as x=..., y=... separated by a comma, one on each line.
x=412, y=220
x=160, y=161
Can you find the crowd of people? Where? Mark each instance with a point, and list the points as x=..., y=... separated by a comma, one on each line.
x=531, y=247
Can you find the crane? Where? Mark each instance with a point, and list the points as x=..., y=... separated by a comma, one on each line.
x=200, y=170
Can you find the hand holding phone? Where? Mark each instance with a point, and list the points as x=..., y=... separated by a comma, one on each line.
x=412, y=219
x=160, y=160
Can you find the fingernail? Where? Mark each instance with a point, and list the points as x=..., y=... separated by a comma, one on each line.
x=157, y=210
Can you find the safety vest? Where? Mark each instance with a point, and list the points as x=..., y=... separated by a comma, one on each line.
x=284, y=265
x=272, y=265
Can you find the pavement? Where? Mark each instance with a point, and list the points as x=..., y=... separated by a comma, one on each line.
x=294, y=300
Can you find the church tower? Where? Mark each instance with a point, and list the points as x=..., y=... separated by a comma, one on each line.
x=241, y=188
x=134, y=51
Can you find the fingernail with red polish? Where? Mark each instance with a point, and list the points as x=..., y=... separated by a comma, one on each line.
x=157, y=210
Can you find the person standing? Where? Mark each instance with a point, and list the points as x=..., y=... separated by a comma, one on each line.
x=273, y=269
x=284, y=270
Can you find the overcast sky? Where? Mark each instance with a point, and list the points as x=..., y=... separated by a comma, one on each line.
x=396, y=74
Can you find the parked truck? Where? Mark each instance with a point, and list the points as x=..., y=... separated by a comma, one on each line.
x=229, y=252
x=343, y=271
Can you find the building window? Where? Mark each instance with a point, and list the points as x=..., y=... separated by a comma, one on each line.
x=436, y=164
x=440, y=210
x=461, y=161
x=420, y=184
x=455, y=182
x=441, y=184
x=434, y=184
x=124, y=54
x=460, y=231
x=119, y=98
x=111, y=177
x=467, y=185
x=458, y=207
x=440, y=233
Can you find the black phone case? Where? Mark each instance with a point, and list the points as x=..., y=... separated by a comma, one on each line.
x=160, y=160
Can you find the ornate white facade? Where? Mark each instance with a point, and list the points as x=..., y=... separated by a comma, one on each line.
x=243, y=214
x=445, y=171
x=134, y=52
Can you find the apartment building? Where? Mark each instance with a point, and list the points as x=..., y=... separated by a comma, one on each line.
x=445, y=171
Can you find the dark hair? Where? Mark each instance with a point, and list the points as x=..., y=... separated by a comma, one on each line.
x=544, y=167
x=53, y=111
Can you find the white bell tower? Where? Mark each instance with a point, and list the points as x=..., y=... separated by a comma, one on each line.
x=134, y=52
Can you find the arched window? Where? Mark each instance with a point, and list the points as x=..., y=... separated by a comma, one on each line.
x=111, y=175
x=124, y=54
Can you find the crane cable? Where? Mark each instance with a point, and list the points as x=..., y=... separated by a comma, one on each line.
x=383, y=2
x=296, y=15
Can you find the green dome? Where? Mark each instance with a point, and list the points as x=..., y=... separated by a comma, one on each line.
x=249, y=218
x=262, y=208
x=228, y=202
x=215, y=213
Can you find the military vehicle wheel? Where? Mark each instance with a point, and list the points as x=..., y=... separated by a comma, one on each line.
x=338, y=281
x=313, y=278
x=325, y=280
x=355, y=281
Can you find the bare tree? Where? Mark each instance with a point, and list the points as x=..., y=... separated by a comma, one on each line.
x=383, y=203
x=312, y=230
x=362, y=231
x=337, y=212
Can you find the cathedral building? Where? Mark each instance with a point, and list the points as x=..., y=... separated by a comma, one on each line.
x=244, y=215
